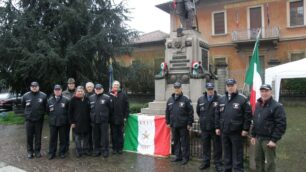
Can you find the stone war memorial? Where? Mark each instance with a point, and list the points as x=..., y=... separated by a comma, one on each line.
x=186, y=61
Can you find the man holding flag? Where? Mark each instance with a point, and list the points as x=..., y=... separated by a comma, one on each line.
x=269, y=124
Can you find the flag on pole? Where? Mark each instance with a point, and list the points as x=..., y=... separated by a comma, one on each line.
x=237, y=19
x=174, y=4
x=110, y=74
x=147, y=135
x=253, y=77
x=268, y=15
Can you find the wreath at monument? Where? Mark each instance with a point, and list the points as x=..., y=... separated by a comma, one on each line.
x=163, y=71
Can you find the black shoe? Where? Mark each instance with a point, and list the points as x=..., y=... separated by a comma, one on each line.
x=204, y=166
x=184, y=162
x=105, y=154
x=30, y=156
x=51, y=156
x=96, y=154
x=219, y=169
x=119, y=152
x=37, y=155
x=176, y=160
x=78, y=154
x=87, y=153
x=62, y=156
x=114, y=152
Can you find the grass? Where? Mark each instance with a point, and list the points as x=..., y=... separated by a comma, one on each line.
x=291, y=150
x=11, y=119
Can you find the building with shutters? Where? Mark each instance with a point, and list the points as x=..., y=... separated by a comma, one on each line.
x=231, y=26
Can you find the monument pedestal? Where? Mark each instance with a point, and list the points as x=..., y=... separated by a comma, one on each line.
x=183, y=50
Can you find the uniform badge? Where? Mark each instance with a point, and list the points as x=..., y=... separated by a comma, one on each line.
x=63, y=105
x=236, y=105
x=202, y=108
x=222, y=107
x=40, y=100
x=215, y=104
x=102, y=101
x=182, y=104
x=51, y=108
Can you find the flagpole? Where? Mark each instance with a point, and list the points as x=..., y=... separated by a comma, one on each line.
x=257, y=38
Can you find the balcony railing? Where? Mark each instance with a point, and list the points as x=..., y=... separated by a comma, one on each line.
x=251, y=34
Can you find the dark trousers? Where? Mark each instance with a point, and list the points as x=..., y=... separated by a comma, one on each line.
x=90, y=140
x=117, y=136
x=81, y=142
x=33, y=131
x=233, y=152
x=67, y=138
x=100, y=135
x=55, y=133
x=181, y=142
x=207, y=138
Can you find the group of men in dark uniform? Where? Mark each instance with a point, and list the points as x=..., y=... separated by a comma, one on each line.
x=89, y=113
x=226, y=121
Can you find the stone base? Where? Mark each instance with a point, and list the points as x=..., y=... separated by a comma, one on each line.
x=155, y=108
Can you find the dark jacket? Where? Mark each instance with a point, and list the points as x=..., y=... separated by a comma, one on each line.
x=207, y=110
x=100, y=108
x=58, y=111
x=269, y=120
x=120, y=106
x=34, y=105
x=179, y=111
x=233, y=115
x=79, y=114
x=68, y=93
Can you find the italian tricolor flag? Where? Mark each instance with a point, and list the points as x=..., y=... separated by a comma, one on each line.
x=253, y=77
x=147, y=135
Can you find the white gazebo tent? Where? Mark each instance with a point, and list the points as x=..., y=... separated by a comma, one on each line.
x=274, y=75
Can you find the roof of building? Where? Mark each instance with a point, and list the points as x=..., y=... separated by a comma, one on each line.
x=150, y=37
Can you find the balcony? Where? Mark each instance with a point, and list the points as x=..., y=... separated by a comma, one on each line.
x=244, y=38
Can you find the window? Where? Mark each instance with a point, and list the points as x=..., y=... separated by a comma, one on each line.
x=296, y=13
x=297, y=56
x=219, y=23
x=220, y=60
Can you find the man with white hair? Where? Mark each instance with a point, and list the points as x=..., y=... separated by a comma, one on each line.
x=119, y=114
x=89, y=91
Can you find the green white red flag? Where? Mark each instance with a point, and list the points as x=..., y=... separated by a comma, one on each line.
x=147, y=135
x=253, y=77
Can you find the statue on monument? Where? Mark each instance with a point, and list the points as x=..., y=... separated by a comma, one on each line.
x=186, y=10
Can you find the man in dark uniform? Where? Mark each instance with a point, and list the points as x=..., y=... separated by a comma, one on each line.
x=100, y=109
x=119, y=115
x=269, y=124
x=207, y=108
x=179, y=116
x=34, y=103
x=68, y=93
x=233, y=121
x=57, y=108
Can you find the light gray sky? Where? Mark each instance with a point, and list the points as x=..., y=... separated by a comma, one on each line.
x=145, y=17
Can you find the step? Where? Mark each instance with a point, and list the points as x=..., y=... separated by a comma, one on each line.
x=148, y=111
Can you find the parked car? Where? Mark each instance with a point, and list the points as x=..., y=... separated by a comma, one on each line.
x=8, y=100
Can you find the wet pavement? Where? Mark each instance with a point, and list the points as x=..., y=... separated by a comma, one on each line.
x=13, y=152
